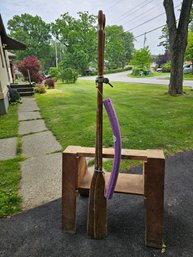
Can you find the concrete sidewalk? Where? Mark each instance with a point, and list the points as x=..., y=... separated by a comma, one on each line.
x=41, y=172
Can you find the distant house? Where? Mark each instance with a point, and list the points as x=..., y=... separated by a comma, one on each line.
x=6, y=71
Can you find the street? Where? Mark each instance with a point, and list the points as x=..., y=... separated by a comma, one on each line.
x=122, y=77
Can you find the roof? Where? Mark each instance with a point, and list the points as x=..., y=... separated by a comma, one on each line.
x=10, y=43
x=11, y=55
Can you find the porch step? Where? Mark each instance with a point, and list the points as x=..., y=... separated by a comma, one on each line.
x=26, y=93
x=23, y=89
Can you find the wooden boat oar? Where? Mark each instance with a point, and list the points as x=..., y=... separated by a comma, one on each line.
x=97, y=213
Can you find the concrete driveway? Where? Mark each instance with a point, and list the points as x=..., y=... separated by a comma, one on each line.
x=122, y=77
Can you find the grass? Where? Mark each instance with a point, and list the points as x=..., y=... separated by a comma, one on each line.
x=9, y=185
x=148, y=117
x=10, y=201
x=151, y=74
x=9, y=123
x=188, y=76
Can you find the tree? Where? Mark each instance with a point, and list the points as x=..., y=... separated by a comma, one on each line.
x=79, y=39
x=119, y=46
x=191, y=20
x=35, y=33
x=189, y=48
x=178, y=40
x=163, y=58
x=30, y=66
x=142, y=58
x=165, y=38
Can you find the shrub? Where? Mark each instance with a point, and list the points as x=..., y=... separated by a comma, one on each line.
x=137, y=72
x=40, y=89
x=117, y=70
x=32, y=65
x=69, y=75
x=166, y=67
x=50, y=83
x=54, y=72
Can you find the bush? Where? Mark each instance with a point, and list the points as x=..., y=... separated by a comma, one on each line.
x=54, y=72
x=69, y=75
x=137, y=72
x=50, y=83
x=166, y=67
x=32, y=65
x=40, y=89
x=118, y=70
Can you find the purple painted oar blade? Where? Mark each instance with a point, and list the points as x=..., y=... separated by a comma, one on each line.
x=117, y=147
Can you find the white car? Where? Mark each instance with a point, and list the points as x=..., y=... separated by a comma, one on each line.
x=187, y=69
x=159, y=69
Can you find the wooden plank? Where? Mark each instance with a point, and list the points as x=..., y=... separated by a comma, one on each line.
x=82, y=168
x=69, y=191
x=129, y=154
x=154, y=202
x=126, y=184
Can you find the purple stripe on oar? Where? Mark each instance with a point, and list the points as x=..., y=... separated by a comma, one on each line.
x=117, y=146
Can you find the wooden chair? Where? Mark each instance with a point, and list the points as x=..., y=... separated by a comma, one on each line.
x=150, y=185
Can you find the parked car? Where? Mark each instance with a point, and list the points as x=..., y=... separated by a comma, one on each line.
x=187, y=69
x=159, y=69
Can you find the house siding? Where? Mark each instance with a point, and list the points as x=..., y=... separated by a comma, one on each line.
x=4, y=80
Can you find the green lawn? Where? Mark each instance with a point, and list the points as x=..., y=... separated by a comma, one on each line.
x=148, y=117
x=9, y=123
x=10, y=169
x=9, y=185
x=188, y=76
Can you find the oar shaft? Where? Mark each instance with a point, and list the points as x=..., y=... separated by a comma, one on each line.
x=99, y=114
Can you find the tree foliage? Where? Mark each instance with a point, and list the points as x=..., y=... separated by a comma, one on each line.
x=30, y=66
x=79, y=38
x=165, y=38
x=142, y=58
x=72, y=42
x=119, y=47
x=163, y=58
x=35, y=33
x=189, y=48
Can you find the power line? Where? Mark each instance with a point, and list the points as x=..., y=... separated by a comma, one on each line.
x=137, y=17
x=116, y=3
x=150, y=31
x=149, y=20
x=135, y=9
x=146, y=22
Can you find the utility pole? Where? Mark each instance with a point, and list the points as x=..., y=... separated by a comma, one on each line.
x=56, y=53
x=145, y=38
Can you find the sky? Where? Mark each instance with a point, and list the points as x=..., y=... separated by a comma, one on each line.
x=131, y=14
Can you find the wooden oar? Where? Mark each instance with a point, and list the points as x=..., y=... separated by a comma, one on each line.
x=97, y=213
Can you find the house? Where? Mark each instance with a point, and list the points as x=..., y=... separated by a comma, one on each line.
x=6, y=72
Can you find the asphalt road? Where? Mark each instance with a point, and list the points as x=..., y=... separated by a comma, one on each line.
x=122, y=77
x=37, y=232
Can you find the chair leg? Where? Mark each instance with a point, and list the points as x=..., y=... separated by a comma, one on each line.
x=69, y=191
x=154, y=201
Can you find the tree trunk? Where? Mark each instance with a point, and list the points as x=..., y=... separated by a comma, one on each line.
x=176, y=76
x=178, y=41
